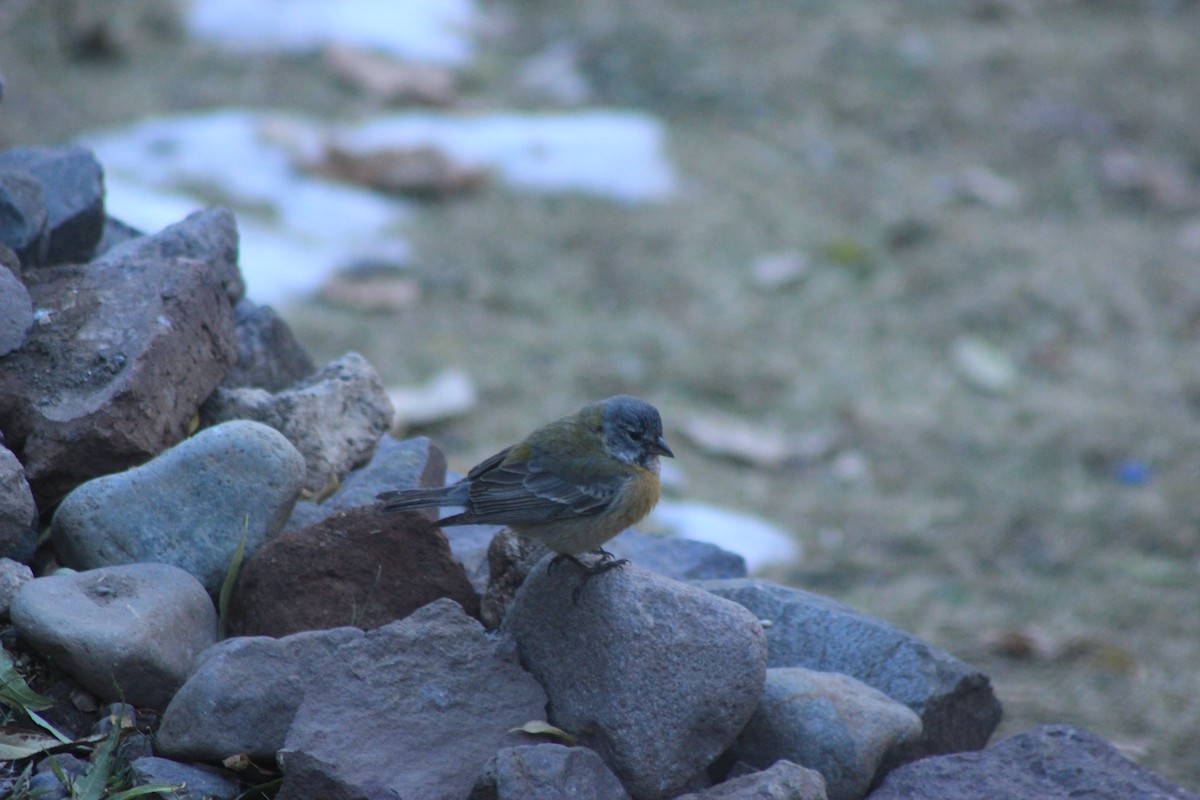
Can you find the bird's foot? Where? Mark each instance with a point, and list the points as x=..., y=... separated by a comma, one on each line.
x=605, y=563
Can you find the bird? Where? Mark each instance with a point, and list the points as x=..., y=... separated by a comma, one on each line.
x=572, y=485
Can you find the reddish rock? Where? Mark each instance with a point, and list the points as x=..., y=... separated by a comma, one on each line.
x=362, y=567
x=121, y=357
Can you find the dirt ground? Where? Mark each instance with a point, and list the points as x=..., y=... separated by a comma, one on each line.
x=992, y=211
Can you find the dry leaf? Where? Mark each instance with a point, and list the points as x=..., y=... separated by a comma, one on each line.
x=425, y=172
x=539, y=727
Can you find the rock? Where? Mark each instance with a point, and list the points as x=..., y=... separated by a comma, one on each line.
x=131, y=633
x=783, y=780
x=547, y=772
x=197, y=781
x=73, y=187
x=1053, y=762
x=115, y=369
x=189, y=507
x=676, y=557
x=396, y=464
x=13, y=575
x=18, y=512
x=654, y=675
x=23, y=217
x=269, y=355
x=209, y=235
x=363, y=567
x=418, y=708
x=955, y=703
x=16, y=307
x=827, y=722
x=335, y=417
x=115, y=233
x=510, y=559
x=244, y=692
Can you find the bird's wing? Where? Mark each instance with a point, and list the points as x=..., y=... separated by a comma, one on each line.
x=530, y=494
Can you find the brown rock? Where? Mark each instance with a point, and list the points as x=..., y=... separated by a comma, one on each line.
x=362, y=567
x=115, y=369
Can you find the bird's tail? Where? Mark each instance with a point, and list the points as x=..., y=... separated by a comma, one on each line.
x=453, y=495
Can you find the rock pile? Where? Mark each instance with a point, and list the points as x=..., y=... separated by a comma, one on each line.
x=168, y=431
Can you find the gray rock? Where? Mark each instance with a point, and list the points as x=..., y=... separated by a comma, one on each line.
x=955, y=703
x=115, y=233
x=335, y=417
x=23, y=217
x=676, y=557
x=196, y=781
x=114, y=370
x=13, y=575
x=828, y=722
x=1053, y=762
x=654, y=675
x=269, y=355
x=510, y=559
x=414, y=710
x=244, y=694
x=18, y=513
x=783, y=780
x=209, y=235
x=189, y=507
x=131, y=632
x=547, y=772
x=396, y=464
x=73, y=187
x=16, y=310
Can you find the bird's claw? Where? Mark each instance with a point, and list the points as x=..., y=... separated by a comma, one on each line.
x=606, y=562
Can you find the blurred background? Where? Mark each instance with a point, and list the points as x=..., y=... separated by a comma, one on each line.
x=914, y=282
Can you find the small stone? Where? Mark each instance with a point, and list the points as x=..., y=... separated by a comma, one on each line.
x=984, y=366
x=269, y=355
x=650, y=673
x=827, y=722
x=547, y=772
x=126, y=633
x=189, y=507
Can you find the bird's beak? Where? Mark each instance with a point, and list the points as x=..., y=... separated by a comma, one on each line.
x=660, y=448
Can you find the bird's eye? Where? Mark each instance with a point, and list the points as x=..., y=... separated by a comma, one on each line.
x=635, y=435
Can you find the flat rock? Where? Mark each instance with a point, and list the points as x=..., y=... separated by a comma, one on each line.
x=547, y=772
x=396, y=464
x=363, y=567
x=244, y=693
x=783, y=780
x=415, y=709
x=23, y=217
x=335, y=417
x=269, y=355
x=209, y=235
x=16, y=308
x=131, y=632
x=73, y=189
x=115, y=369
x=827, y=722
x=654, y=675
x=18, y=513
x=189, y=507
x=1053, y=762
x=955, y=703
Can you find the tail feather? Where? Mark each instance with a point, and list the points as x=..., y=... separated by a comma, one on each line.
x=405, y=499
